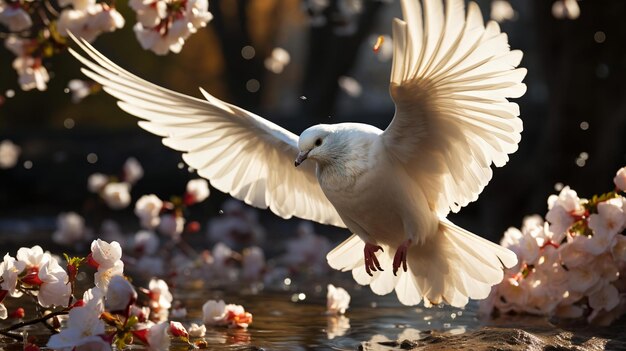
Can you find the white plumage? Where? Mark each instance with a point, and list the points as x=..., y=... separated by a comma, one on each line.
x=450, y=80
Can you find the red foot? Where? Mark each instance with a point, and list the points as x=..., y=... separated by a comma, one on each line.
x=371, y=261
x=400, y=257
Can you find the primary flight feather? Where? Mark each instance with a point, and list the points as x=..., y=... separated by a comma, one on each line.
x=450, y=80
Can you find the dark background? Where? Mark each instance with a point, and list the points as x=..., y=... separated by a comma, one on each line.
x=572, y=78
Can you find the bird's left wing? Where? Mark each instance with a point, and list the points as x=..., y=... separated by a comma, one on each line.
x=237, y=151
x=450, y=80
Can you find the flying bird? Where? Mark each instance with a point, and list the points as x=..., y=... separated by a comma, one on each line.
x=450, y=80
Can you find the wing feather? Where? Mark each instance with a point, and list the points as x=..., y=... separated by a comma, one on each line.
x=238, y=152
x=451, y=79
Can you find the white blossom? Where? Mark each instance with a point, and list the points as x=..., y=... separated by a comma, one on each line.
x=562, y=209
x=81, y=5
x=103, y=276
x=32, y=74
x=106, y=254
x=605, y=298
x=148, y=208
x=566, y=9
x=85, y=331
x=501, y=10
x=620, y=179
x=149, y=12
x=70, y=229
x=158, y=338
x=9, y=154
x=108, y=20
x=116, y=195
x=213, y=312
x=337, y=300
x=160, y=293
x=197, y=11
x=54, y=289
x=32, y=257
x=79, y=22
x=197, y=190
x=120, y=294
x=15, y=18
x=10, y=270
x=197, y=331
x=80, y=89
x=133, y=171
x=96, y=182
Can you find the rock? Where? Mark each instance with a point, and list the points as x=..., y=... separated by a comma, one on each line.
x=513, y=335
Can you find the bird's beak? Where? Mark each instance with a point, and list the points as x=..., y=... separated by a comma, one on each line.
x=301, y=157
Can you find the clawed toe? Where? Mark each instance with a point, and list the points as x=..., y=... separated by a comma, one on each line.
x=399, y=259
x=371, y=261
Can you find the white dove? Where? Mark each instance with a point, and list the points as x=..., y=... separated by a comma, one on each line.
x=450, y=80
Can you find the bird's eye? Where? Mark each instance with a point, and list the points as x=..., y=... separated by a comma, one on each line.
x=318, y=142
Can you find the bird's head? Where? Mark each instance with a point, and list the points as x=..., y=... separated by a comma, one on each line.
x=316, y=143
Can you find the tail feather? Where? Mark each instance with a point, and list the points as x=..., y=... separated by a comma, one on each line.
x=451, y=267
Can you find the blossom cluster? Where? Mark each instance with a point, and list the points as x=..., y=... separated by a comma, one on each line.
x=164, y=25
x=39, y=30
x=572, y=265
x=116, y=191
x=111, y=313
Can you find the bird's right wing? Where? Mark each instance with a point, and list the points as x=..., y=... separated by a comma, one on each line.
x=450, y=80
x=239, y=152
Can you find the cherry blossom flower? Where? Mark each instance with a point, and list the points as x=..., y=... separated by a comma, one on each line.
x=32, y=74
x=562, y=210
x=133, y=171
x=158, y=338
x=85, y=331
x=70, y=229
x=606, y=298
x=80, y=89
x=620, y=179
x=178, y=330
x=569, y=9
x=120, y=294
x=197, y=331
x=148, y=209
x=197, y=191
x=213, y=312
x=32, y=257
x=54, y=288
x=9, y=154
x=337, y=300
x=501, y=11
x=106, y=254
x=15, y=18
x=116, y=195
x=160, y=296
x=142, y=313
x=10, y=269
x=96, y=182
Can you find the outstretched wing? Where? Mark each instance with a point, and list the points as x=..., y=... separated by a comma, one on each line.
x=237, y=151
x=450, y=81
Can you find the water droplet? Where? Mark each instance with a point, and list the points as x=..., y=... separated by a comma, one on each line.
x=318, y=289
x=66, y=90
x=460, y=313
x=92, y=158
x=28, y=164
x=253, y=85
x=446, y=325
x=287, y=281
x=220, y=212
x=580, y=162
x=427, y=318
x=69, y=123
x=294, y=298
x=453, y=315
x=191, y=169
x=599, y=37
x=302, y=97
x=301, y=296
x=584, y=156
x=373, y=305
x=558, y=186
x=10, y=93
x=180, y=165
x=584, y=125
x=248, y=52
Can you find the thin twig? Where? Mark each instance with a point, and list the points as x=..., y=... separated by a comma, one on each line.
x=33, y=321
